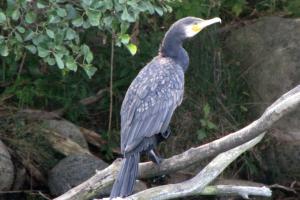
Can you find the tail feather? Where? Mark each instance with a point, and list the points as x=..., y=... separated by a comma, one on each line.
x=125, y=181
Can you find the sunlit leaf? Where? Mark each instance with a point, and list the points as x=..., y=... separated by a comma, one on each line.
x=132, y=48
x=126, y=16
x=2, y=17
x=50, y=33
x=71, y=64
x=125, y=38
x=78, y=21
x=71, y=34
x=159, y=11
x=61, y=12
x=16, y=14
x=94, y=17
x=59, y=61
x=90, y=70
x=4, y=50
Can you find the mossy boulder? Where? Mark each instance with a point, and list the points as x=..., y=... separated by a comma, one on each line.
x=6, y=169
x=268, y=51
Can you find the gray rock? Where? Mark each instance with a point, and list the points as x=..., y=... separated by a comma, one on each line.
x=73, y=170
x=67, y=129
x=268, y=50
x=6, y=169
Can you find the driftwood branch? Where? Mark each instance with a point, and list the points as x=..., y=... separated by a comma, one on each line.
x=233, y=190
x=63, y=144
x=284, y=105
x=196, y=185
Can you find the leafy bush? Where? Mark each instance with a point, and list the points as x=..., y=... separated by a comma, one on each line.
x=51, y=29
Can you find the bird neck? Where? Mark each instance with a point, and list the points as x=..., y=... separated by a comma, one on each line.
x=172, y=47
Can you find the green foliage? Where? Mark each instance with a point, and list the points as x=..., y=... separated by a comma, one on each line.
x=232, y=9
x=207, y=126
x=293, y=7
x=51, y=29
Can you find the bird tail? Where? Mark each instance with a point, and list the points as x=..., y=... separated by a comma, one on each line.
x=125, y=181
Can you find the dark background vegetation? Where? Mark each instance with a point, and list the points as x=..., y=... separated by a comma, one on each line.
x=217, y=99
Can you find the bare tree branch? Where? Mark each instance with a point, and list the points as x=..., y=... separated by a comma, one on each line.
x=233, y=190
x=284, y=105
x=195, y=185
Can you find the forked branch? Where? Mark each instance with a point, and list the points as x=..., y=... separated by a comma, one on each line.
x=103, y=179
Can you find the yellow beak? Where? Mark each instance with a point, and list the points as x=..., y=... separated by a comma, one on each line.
x=204, y=23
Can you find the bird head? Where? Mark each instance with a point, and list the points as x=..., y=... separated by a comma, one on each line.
x=189, y=26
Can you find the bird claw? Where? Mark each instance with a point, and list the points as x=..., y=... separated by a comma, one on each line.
x=155, y=158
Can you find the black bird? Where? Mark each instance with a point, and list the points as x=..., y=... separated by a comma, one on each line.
x=151, y=100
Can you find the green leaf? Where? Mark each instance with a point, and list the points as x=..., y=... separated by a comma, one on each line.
x=29, y=35
x=50, y=33
x=90, y=70
x=71, y=34
x=124, y=27
x=31, y=48
x=20, y=29
x=107, y=21
x=86, y=24
x=61, y=12
x=238, y=7
x=42, y=52
x=4, y=50
x=59, y=62
x=53, y=19
x=94, y=17
x=18, y=37
x=211, y=126
x=125, y=38
x=203, y=122
x=41, y=5
x=87, y=2
x=132, y=48
x=206, y=110
x=16, y=14
x=78, y=21
x=126, y=16
x=243, y=108
x=50, y=61
x=89, y=57
x=71, y=64
x=201, y=134
x=71, y=12
x=159, y=10
x=2, y=17
x=85, y=49
x=30, y=17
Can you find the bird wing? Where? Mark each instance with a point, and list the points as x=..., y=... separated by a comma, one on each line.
x=150, y=101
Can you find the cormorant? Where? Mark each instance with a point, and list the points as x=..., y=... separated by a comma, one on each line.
x=151, y=100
